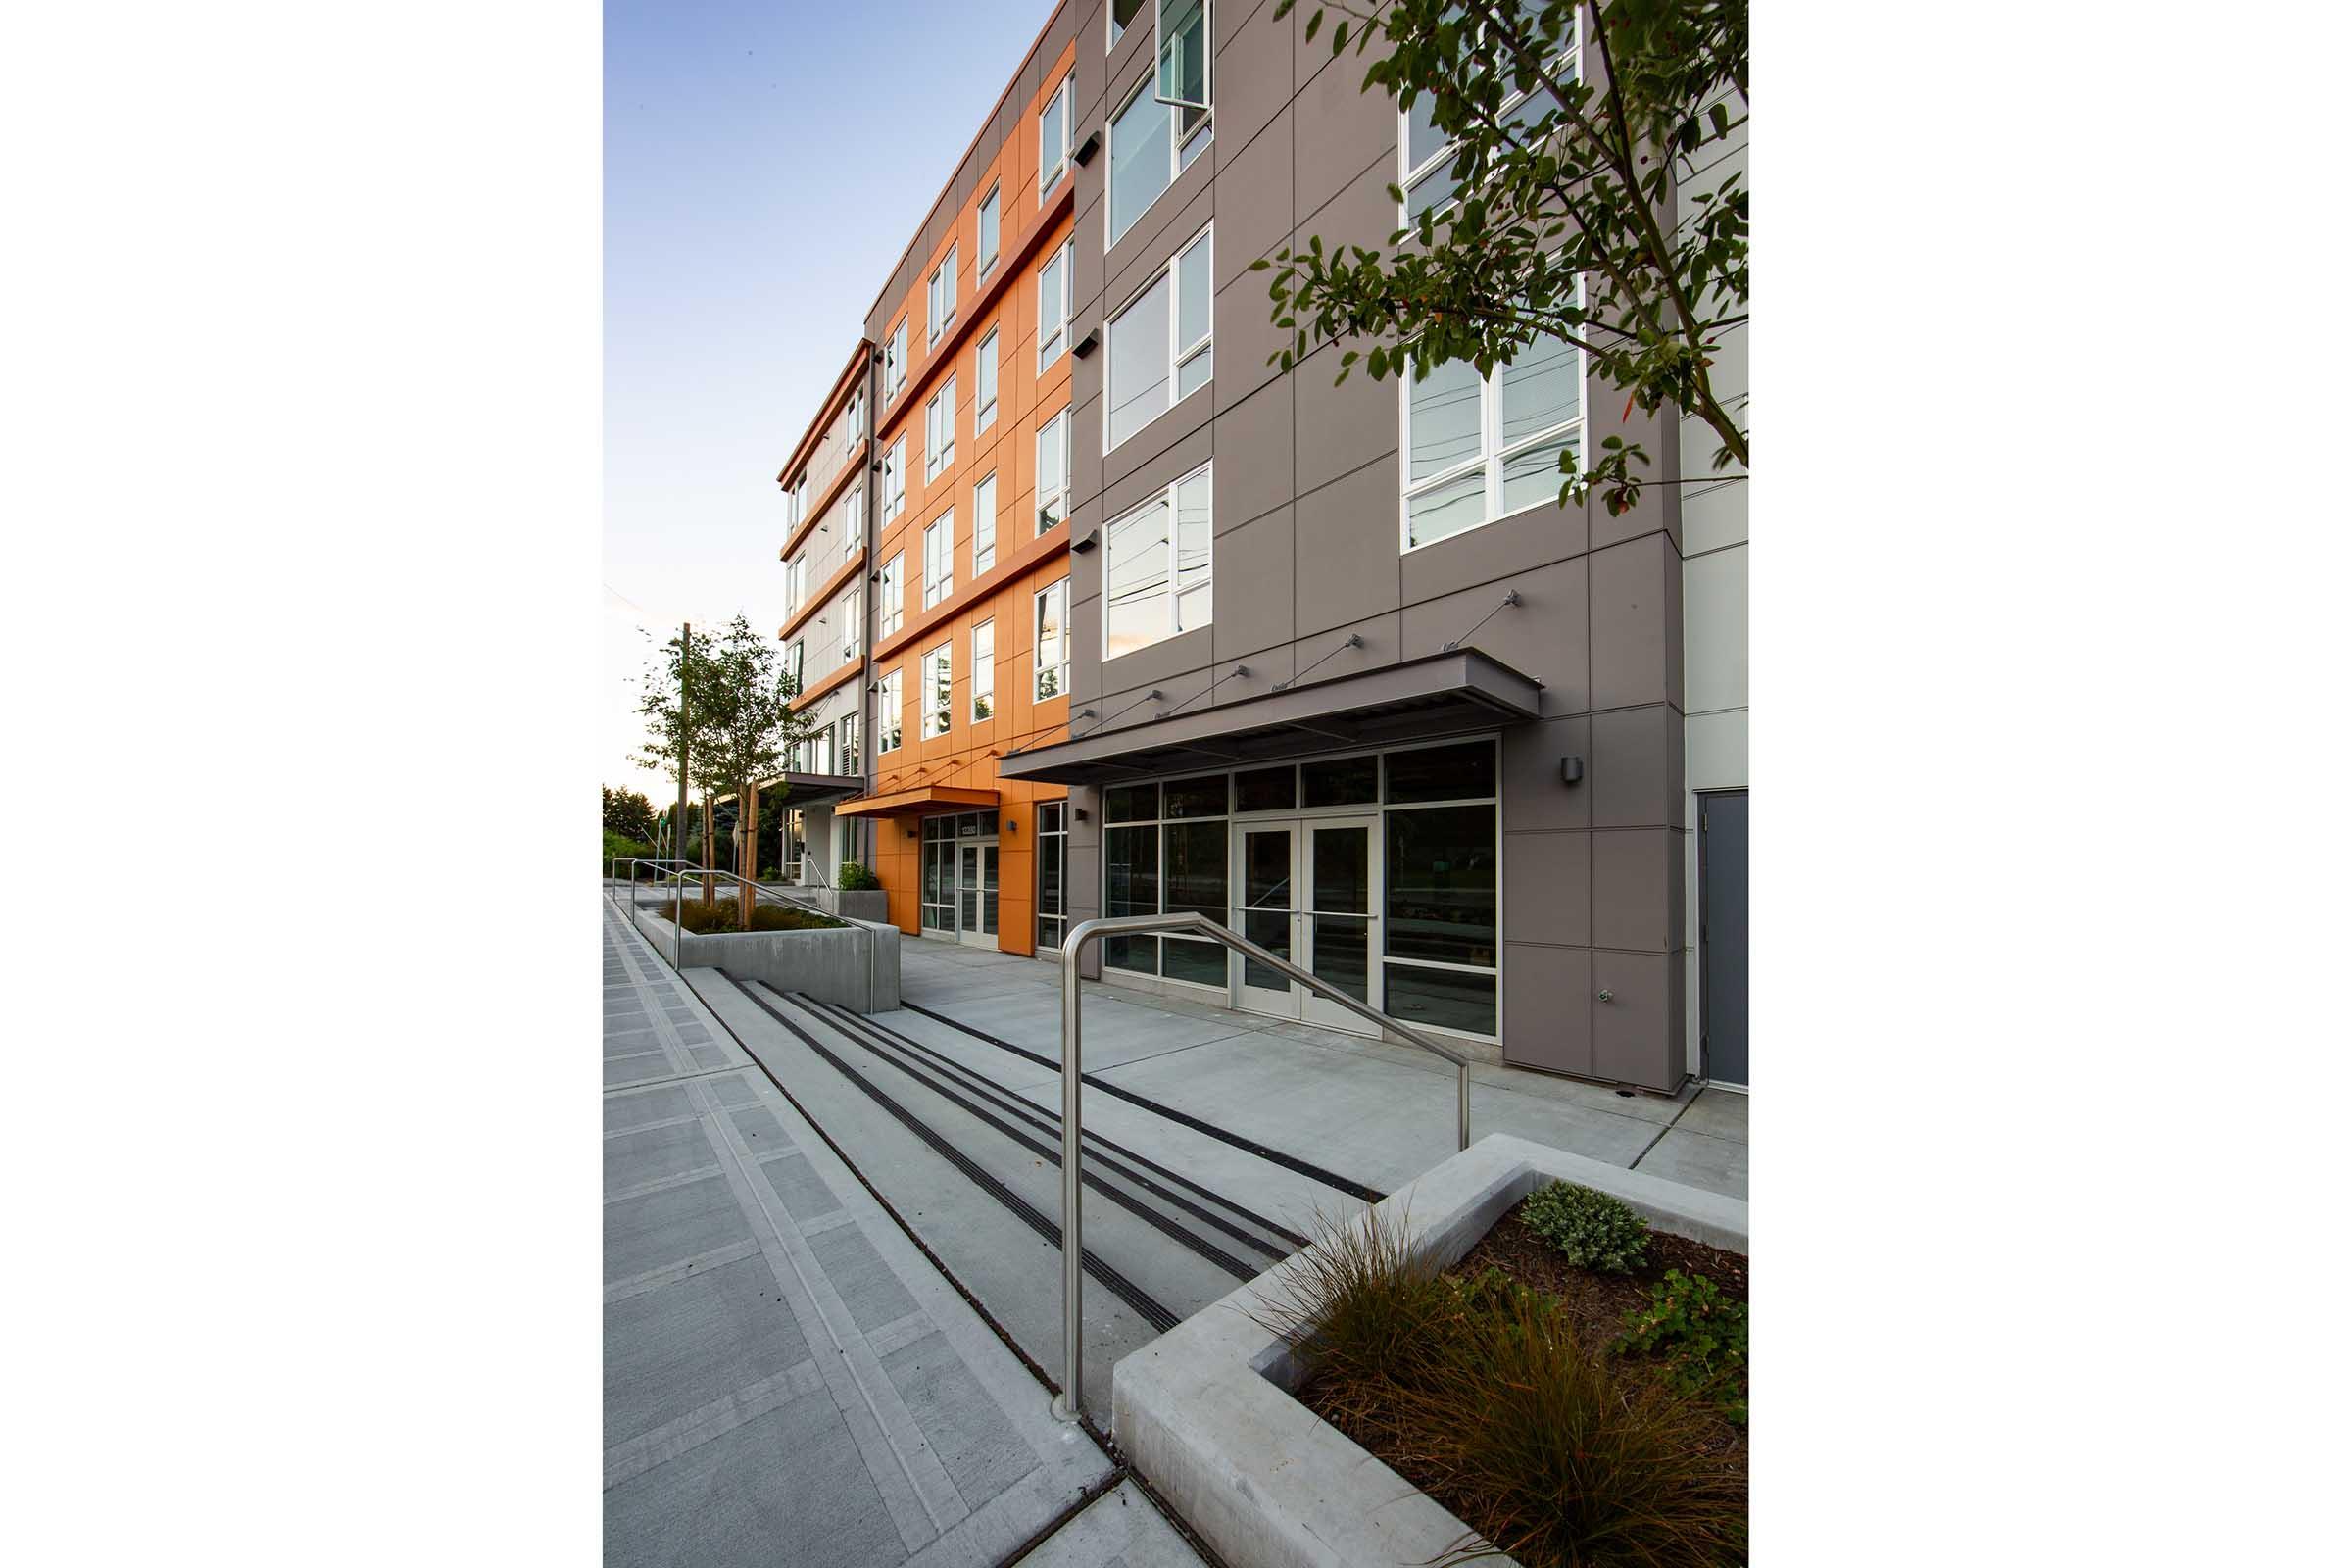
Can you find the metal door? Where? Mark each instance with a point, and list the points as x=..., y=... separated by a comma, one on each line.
x=1723, y=935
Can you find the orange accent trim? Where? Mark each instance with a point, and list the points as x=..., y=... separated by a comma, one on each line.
x=822, y=687
x=831, y=493
x=860, y=359
x=1054, y=540
x=941, y=354
x=822, y=594
x=912, y=802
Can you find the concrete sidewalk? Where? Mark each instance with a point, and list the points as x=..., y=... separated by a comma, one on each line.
x=787, y=1378
x=1380, y=1112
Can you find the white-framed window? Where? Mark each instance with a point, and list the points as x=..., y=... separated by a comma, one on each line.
x=1160, y=351
x=856, y=424
x=1478, y=450
x=796, y=662
x=939, y=429
x=1122, y=15
x=984, y=670
x=984, y=525
x=795, y=583
x=987, y=238
x=795, y=503
x=1425, y=159
x=1052, y=470
x=853, y=623
x=984, y=383
x=1156, y=564
x=890, y=600
x=1054, y=641
x=938, y=302
x=1054, y=284
x=938, y=558
x=1150, y=144
x=846, y=747
x=894, y=362
x=894, y=480
x=887, y=712
x=1054, y=141
x=939, y=691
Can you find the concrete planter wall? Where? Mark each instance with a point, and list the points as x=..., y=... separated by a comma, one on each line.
x=855, y=966
x=863, y=903
x=1204, y=1411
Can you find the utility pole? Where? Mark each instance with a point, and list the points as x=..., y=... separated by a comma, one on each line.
x=677, y=834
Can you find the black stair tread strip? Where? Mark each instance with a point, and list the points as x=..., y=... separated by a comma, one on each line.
x=1051, y=1153
x=1048, y=1120
x=1110, y=1279
x=1329, y=1178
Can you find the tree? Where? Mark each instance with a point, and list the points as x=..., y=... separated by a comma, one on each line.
x=1564, y=173
x=741, y=725
x=630, y=814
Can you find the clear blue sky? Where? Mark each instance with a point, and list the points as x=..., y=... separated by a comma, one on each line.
x=749, y=220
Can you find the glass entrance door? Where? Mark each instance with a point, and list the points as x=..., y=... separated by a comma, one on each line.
x=939, y=887
x=976, y=894
x=1266, y=876
x=1340, y=928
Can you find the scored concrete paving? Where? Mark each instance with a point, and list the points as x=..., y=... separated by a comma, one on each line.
x=787, y=1379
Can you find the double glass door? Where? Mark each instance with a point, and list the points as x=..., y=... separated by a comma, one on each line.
x=1307, y=893
x=959, y=890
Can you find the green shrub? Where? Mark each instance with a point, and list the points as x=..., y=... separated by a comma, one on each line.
x=1592, y=1229
x=1481, y=1390
x=724, y=914
x=617, y=848
x=855, y=878
x=1702, y=1332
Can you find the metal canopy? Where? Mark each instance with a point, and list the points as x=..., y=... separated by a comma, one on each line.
x=805, y=788
x=1435, y=695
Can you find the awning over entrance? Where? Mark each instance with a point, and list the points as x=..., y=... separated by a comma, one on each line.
x=1436, y=694
x=816, y=788
x=919, y=802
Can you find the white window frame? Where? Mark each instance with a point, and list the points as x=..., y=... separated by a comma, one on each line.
x=852, y=615
x=889, y=715
x=985, y=255
x=984, y=524
x=1167, y=498
x=856, y=417
x=939, y=661
x=795, y=583
x=1057, y=591
x=1180, y=355
x=984, y=382
x=1110, y=25
x=938, y=430
x=890, y=604
x=845, y=749
x=1202, y=136
x=939, y=298
x=1058, y=492
x=984, y=670
x=1409, y=174
x=1491, y=453
x=894, y=363
x=796, y=662
x=939, y=558
x=1054, y=346
x=1051, y=174
x=894, y=481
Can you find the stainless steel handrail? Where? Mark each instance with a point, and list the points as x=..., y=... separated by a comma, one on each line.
x=1073, y=1251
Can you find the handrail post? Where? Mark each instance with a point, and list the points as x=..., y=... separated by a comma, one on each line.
x=1066, y=1403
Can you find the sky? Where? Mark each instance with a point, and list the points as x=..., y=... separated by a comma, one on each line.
x=750, y=221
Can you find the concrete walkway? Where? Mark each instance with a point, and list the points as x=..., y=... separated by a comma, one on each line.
x=787, y=1379
x=1381, y=1113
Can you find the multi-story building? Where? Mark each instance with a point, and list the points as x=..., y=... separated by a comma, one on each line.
x=1336, y=667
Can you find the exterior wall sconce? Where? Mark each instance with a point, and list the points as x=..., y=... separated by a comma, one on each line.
x=1086, y=150
x=913, y=831
x=1088, y=344
x=1012, y=825
x=1079, y=546
x=1078, y=811
x=1572, y=768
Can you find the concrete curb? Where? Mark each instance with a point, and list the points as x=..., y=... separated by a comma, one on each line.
x=855, y=968
x=1205, y=1414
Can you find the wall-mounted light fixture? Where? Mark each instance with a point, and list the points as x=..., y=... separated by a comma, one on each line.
x=1012, y=825
x=1088, y=147
x=1088, y=343
x=1078, y=811
x=1572, y=768
x=1080, y=546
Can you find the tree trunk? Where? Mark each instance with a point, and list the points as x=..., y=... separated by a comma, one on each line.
x=746, y=847
x=709, y=856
